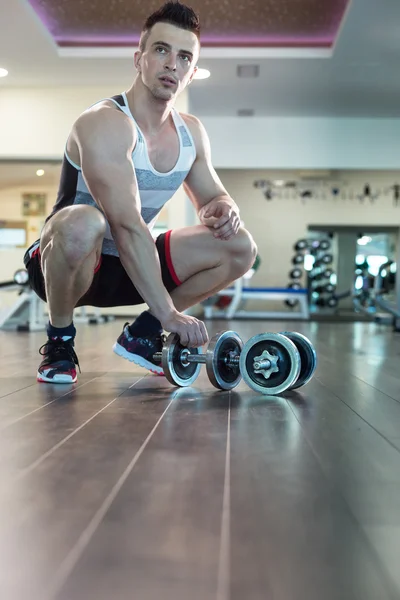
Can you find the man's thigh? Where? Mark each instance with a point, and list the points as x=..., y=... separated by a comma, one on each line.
x=195, y=249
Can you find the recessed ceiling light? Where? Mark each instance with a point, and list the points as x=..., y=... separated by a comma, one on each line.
x=202, y=74
x=40, y=172
x=3, y=72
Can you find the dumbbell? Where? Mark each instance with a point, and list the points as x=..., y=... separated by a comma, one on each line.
x=182, y=365
x=295, y=273
x=301, y=245
x=325, y=245
x=298, y=259
x=272, y=363
x=269, y=363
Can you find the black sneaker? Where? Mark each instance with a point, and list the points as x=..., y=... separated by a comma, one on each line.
x=58, y=365
x=140, y=350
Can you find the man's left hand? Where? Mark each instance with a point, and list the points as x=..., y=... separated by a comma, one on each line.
x=222, y=217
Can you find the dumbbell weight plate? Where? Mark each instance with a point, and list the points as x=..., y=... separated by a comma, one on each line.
x=298, y=259
x=327, y=259
x=176, y=370
x=308, y=357
x=301, y=245
x=325, y=245
x=282, y=351
x=221, y=347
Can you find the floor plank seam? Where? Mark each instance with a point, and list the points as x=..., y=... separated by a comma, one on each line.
x=332, y=362
x=377, y=389
x=365, y=383
x=360, y=416
x=76, y=552
x=388, y=582
x=224, y=553
x=16, y=391
x=79, y=386
x=52, y=450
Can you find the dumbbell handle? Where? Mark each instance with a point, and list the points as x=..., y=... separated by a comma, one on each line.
x=185, y=357
x=193, y=358
x=196, y=358
x=262, y=364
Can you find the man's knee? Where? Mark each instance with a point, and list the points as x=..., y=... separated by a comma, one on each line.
x=242, y=252
x=78, y=230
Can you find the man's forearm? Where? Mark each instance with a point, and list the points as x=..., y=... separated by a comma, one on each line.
x=138, y=255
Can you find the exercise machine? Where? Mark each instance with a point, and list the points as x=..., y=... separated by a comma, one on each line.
x=27, y=313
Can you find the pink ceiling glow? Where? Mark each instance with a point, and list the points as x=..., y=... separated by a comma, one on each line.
x=261, y=23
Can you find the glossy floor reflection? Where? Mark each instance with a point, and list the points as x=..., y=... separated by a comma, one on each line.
x=124, y=487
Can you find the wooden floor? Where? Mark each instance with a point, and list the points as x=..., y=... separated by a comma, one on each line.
x=123, y=487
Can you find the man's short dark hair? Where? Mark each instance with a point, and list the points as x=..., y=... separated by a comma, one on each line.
x=174, y=13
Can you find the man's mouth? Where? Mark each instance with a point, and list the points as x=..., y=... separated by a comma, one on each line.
x=168, y=80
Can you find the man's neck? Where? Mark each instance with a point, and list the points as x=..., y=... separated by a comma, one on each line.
x=150, y=113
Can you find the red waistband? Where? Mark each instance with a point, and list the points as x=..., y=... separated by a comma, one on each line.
x=169, y=258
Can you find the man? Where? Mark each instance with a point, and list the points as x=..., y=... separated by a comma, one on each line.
x=125, y=158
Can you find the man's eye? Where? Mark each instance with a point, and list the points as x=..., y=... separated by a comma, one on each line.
x=160, y=49
x=185, y=57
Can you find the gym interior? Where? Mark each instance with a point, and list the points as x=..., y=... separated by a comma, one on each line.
x=268, y=468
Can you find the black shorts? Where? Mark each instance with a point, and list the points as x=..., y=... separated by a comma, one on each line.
x=111, y=285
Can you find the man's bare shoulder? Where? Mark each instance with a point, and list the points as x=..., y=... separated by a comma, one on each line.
x=104, y=129
x=197, y=130
x=194, y=124
x=105, y=118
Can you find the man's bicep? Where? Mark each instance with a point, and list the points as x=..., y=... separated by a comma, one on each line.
x=108, y=170
x=105, y=143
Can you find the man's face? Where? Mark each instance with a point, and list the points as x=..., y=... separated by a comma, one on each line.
x=168, y=62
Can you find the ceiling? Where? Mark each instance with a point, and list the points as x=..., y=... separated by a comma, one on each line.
x=357, y=76
x=227, y=23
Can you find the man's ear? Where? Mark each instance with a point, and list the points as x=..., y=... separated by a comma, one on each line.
x=193, y=74
x=137, y=57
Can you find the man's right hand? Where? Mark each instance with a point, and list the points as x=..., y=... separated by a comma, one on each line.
x=192, y=332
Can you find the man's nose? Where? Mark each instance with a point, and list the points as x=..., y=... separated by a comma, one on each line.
x=170, y=62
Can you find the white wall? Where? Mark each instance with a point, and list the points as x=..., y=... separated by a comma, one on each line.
x=35, y=122
x=300, y=143
x=277, y=224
